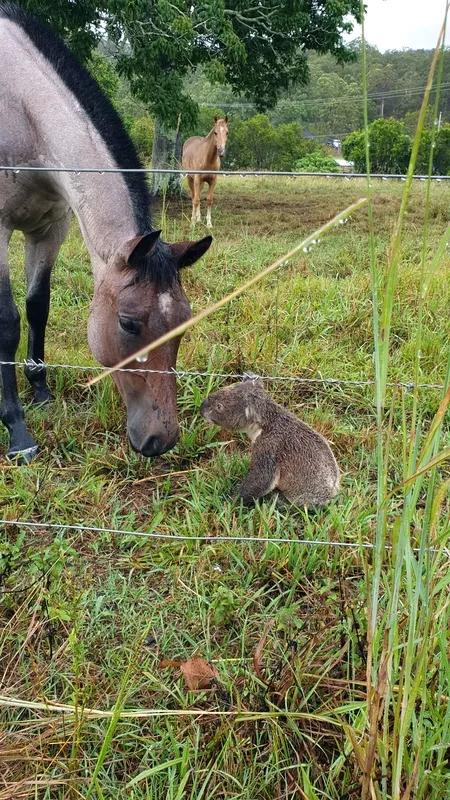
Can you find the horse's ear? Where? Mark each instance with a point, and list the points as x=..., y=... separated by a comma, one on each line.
x=139, y=247
x=187, y=253
x=226, y=117
x=216, y=118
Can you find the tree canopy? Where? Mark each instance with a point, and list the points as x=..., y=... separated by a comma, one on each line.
x=258, y=49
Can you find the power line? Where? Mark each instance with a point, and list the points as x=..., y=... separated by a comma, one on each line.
x=390, y=94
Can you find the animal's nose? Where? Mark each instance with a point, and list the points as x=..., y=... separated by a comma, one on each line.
x=204, y=407
x=221, y=151
x=156, y=446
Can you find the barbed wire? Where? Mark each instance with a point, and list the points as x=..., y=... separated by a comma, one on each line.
x=224, y=172
x=176, y=537
x=180, y=373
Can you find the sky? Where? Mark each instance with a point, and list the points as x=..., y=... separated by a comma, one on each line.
x=394, y=24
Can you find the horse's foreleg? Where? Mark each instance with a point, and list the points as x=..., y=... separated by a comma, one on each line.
x=21, y=445
x=40, y=256
x=197, y=188
x=209, y=200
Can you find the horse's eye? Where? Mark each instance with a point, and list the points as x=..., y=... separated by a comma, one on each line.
x=129, y=325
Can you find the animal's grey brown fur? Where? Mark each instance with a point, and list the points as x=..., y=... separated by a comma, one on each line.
x=287, y=454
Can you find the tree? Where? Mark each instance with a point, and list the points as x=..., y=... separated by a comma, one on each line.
x=258, y=49
x=390, y=147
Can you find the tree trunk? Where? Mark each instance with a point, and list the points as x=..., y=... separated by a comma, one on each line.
x=166, y=153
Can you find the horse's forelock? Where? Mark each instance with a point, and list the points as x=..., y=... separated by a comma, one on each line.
x=158, y=268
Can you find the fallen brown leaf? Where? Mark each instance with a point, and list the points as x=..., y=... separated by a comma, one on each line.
x=198, y=673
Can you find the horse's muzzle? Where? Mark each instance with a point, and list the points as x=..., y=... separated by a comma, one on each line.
x=153, y=446
x=221, y=151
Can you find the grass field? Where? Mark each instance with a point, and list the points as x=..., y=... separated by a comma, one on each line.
x=101, y=621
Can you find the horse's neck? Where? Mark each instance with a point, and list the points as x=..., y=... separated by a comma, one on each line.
x=56, y=131
x=210, y=147
x=103, y=208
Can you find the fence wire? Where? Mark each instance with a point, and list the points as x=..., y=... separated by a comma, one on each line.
x=177, y=537
x=16, y=169
x=180, y=373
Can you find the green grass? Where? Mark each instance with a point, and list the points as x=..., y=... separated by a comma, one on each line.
x=78, y=608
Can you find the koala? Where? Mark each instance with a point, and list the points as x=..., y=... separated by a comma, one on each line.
x=286, y=454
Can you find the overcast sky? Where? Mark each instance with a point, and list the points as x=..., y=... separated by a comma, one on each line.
x=394, y=24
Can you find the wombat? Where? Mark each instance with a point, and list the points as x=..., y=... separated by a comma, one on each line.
x=286, y=453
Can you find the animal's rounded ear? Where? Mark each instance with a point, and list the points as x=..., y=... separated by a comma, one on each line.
x=255, y=380
x=187, y=253
x=139, y=247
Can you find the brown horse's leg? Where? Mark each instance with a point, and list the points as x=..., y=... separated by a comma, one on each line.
x=191, y=190
x=209, y=199
x=196, y=215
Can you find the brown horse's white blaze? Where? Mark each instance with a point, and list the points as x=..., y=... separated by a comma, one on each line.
x=53, y=114
x=204, y=153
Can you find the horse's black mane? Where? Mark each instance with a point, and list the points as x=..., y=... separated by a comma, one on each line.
x=107, y=121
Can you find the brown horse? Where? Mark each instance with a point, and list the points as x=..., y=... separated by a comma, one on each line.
x=203, y=152
x=53, y=114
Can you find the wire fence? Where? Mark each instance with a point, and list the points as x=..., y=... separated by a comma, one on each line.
x=16, y=169
x=180, y=373
x=182, y=537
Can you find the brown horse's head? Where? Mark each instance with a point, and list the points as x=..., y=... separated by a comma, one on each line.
x=134, y=303
x=220, y=131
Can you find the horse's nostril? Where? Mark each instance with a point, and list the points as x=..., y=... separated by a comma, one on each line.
x=152, y=447
x=156, y=446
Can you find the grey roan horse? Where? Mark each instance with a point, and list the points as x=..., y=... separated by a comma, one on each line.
x=52, y=113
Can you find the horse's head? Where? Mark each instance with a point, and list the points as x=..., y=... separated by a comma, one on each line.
x=134, y=303
x=220, y=131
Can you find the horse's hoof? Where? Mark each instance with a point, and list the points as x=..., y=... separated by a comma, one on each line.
x=23, y=457
x=41, y=396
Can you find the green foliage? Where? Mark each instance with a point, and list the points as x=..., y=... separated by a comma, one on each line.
x=204, y=121
x=390, y=147
x=142, y=132
x=105, y=74
x=77, y=23
x=259, y=51
x=441, y=158
x=441, y=155
x=317, y=162
x=257, y=144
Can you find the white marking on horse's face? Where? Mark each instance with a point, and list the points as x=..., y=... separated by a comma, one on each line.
x=165, y=303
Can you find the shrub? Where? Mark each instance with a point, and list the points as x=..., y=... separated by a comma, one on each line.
x=441, y=156
x=317, y=162
x=142, y=131
x=390, y=147
x=257, y=144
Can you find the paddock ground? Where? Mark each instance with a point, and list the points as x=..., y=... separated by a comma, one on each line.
x=89, y=616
